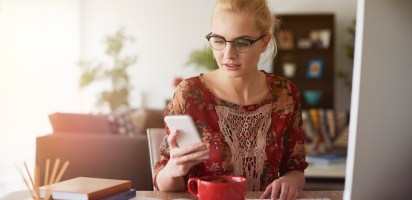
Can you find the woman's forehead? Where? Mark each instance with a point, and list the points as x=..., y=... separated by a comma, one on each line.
x=232, y=25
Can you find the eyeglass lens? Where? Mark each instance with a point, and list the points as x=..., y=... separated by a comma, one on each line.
x=219, y=43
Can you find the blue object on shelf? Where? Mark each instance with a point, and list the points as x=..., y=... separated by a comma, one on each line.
x=312, y=97
x=315, y=68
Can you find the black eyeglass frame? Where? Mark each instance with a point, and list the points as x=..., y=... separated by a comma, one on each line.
x=208, y=36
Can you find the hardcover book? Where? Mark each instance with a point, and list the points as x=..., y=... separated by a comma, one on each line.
x=335, y=156
x=128, y=194
x=326, y=159
x=86, y=188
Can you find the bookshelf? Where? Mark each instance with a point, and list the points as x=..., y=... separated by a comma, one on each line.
x=321, y=177
x=306, y=56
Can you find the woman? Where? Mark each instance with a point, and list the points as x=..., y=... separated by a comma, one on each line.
x=250, y=121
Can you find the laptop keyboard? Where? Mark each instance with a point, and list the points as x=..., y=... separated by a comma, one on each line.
x=299, y=199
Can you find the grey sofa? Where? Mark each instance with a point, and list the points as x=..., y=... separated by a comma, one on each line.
x=93, y=149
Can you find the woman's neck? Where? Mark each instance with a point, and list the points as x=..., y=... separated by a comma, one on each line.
x=241, y=86
x=246, y=90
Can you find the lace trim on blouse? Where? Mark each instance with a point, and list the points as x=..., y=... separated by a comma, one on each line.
x=245, y=132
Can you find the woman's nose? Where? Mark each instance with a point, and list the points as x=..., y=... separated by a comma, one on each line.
x=230, y=51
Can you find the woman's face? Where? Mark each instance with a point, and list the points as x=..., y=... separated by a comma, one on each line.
x=231, y=26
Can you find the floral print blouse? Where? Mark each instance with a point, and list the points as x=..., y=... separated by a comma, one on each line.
x=260, y=142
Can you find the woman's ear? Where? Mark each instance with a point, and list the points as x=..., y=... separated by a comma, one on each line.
x=266, y=41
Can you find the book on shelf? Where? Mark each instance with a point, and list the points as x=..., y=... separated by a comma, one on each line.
x=321, y=128
x=86, y=188
x=331, y=123
x=324, y=129
x=336, y=156
x=326, y=159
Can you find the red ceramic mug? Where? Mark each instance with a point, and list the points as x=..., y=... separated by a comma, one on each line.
x=218, y=187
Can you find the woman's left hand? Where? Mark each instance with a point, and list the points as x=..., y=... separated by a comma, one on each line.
x=286, y=187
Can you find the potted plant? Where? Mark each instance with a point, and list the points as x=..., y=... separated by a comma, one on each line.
x=114, y=72
x=203, y=58
x=346, y=75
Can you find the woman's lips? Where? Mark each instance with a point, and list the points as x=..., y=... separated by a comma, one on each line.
x=231, y=66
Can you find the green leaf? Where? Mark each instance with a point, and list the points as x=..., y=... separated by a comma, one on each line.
x=203, y=58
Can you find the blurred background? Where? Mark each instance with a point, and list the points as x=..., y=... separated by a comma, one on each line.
x=43, y=41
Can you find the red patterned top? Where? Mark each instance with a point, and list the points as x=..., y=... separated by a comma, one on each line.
x=259, y=142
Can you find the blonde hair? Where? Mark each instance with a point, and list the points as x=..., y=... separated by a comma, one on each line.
x=265, y=20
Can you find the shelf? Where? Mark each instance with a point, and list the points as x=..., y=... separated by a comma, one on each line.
x=310, y=50
x=326, y=171
x=316, y=31
x=325, y=177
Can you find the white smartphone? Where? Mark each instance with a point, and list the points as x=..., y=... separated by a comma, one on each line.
x=188, y=133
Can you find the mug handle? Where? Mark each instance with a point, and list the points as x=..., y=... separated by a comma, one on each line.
x=192, y=186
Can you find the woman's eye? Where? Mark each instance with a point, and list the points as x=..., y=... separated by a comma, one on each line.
x=242, y=42
x=218, y=41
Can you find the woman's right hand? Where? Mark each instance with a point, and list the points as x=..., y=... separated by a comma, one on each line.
x=184, y=158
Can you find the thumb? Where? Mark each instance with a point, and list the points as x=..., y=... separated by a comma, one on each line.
x=172, y=139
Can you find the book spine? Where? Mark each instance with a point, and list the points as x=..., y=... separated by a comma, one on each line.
x=309, y=135
x=123, y=195
x=323, y=129
x=112, y=190
x=331, y=123
x=319, y=146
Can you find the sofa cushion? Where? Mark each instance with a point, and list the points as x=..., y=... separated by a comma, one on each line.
x=121, y=122
x=79, y=123
x=131, y=122
x=147, y=118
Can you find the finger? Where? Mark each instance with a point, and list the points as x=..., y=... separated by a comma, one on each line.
x=171, y=139
x=197, y=156
x=196, y=147
x=284, y=192
x=275, y=190
x=267, y=191
x=205, y=156
x=190, y=149
x=193, y=163
x=207, y=144
x=293, y=194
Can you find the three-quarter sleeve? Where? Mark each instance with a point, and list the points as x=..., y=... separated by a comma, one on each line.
x=174, y=107
x=294, y=152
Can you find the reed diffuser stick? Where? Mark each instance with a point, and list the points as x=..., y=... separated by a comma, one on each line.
x=28, y=172
x=46, y=179
x=59, y=176
x=26, y=182
x=62, y=170
x=36, y=180
x=52, y=178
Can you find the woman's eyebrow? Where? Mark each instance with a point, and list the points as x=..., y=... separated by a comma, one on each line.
x=239, y=37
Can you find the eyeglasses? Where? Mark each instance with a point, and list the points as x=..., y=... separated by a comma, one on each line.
x=242, y=45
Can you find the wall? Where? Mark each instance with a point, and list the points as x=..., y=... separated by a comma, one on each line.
x=39, y=46
x=167, y=31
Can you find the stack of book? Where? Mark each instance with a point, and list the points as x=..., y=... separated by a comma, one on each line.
x=335, y=156
x=321, y=128
x=86, y=188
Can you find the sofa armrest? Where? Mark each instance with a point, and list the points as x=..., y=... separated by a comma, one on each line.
x=98, y=155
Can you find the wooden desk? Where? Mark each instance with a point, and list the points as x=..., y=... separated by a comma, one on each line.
x=140, y=195
x=151, y=195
